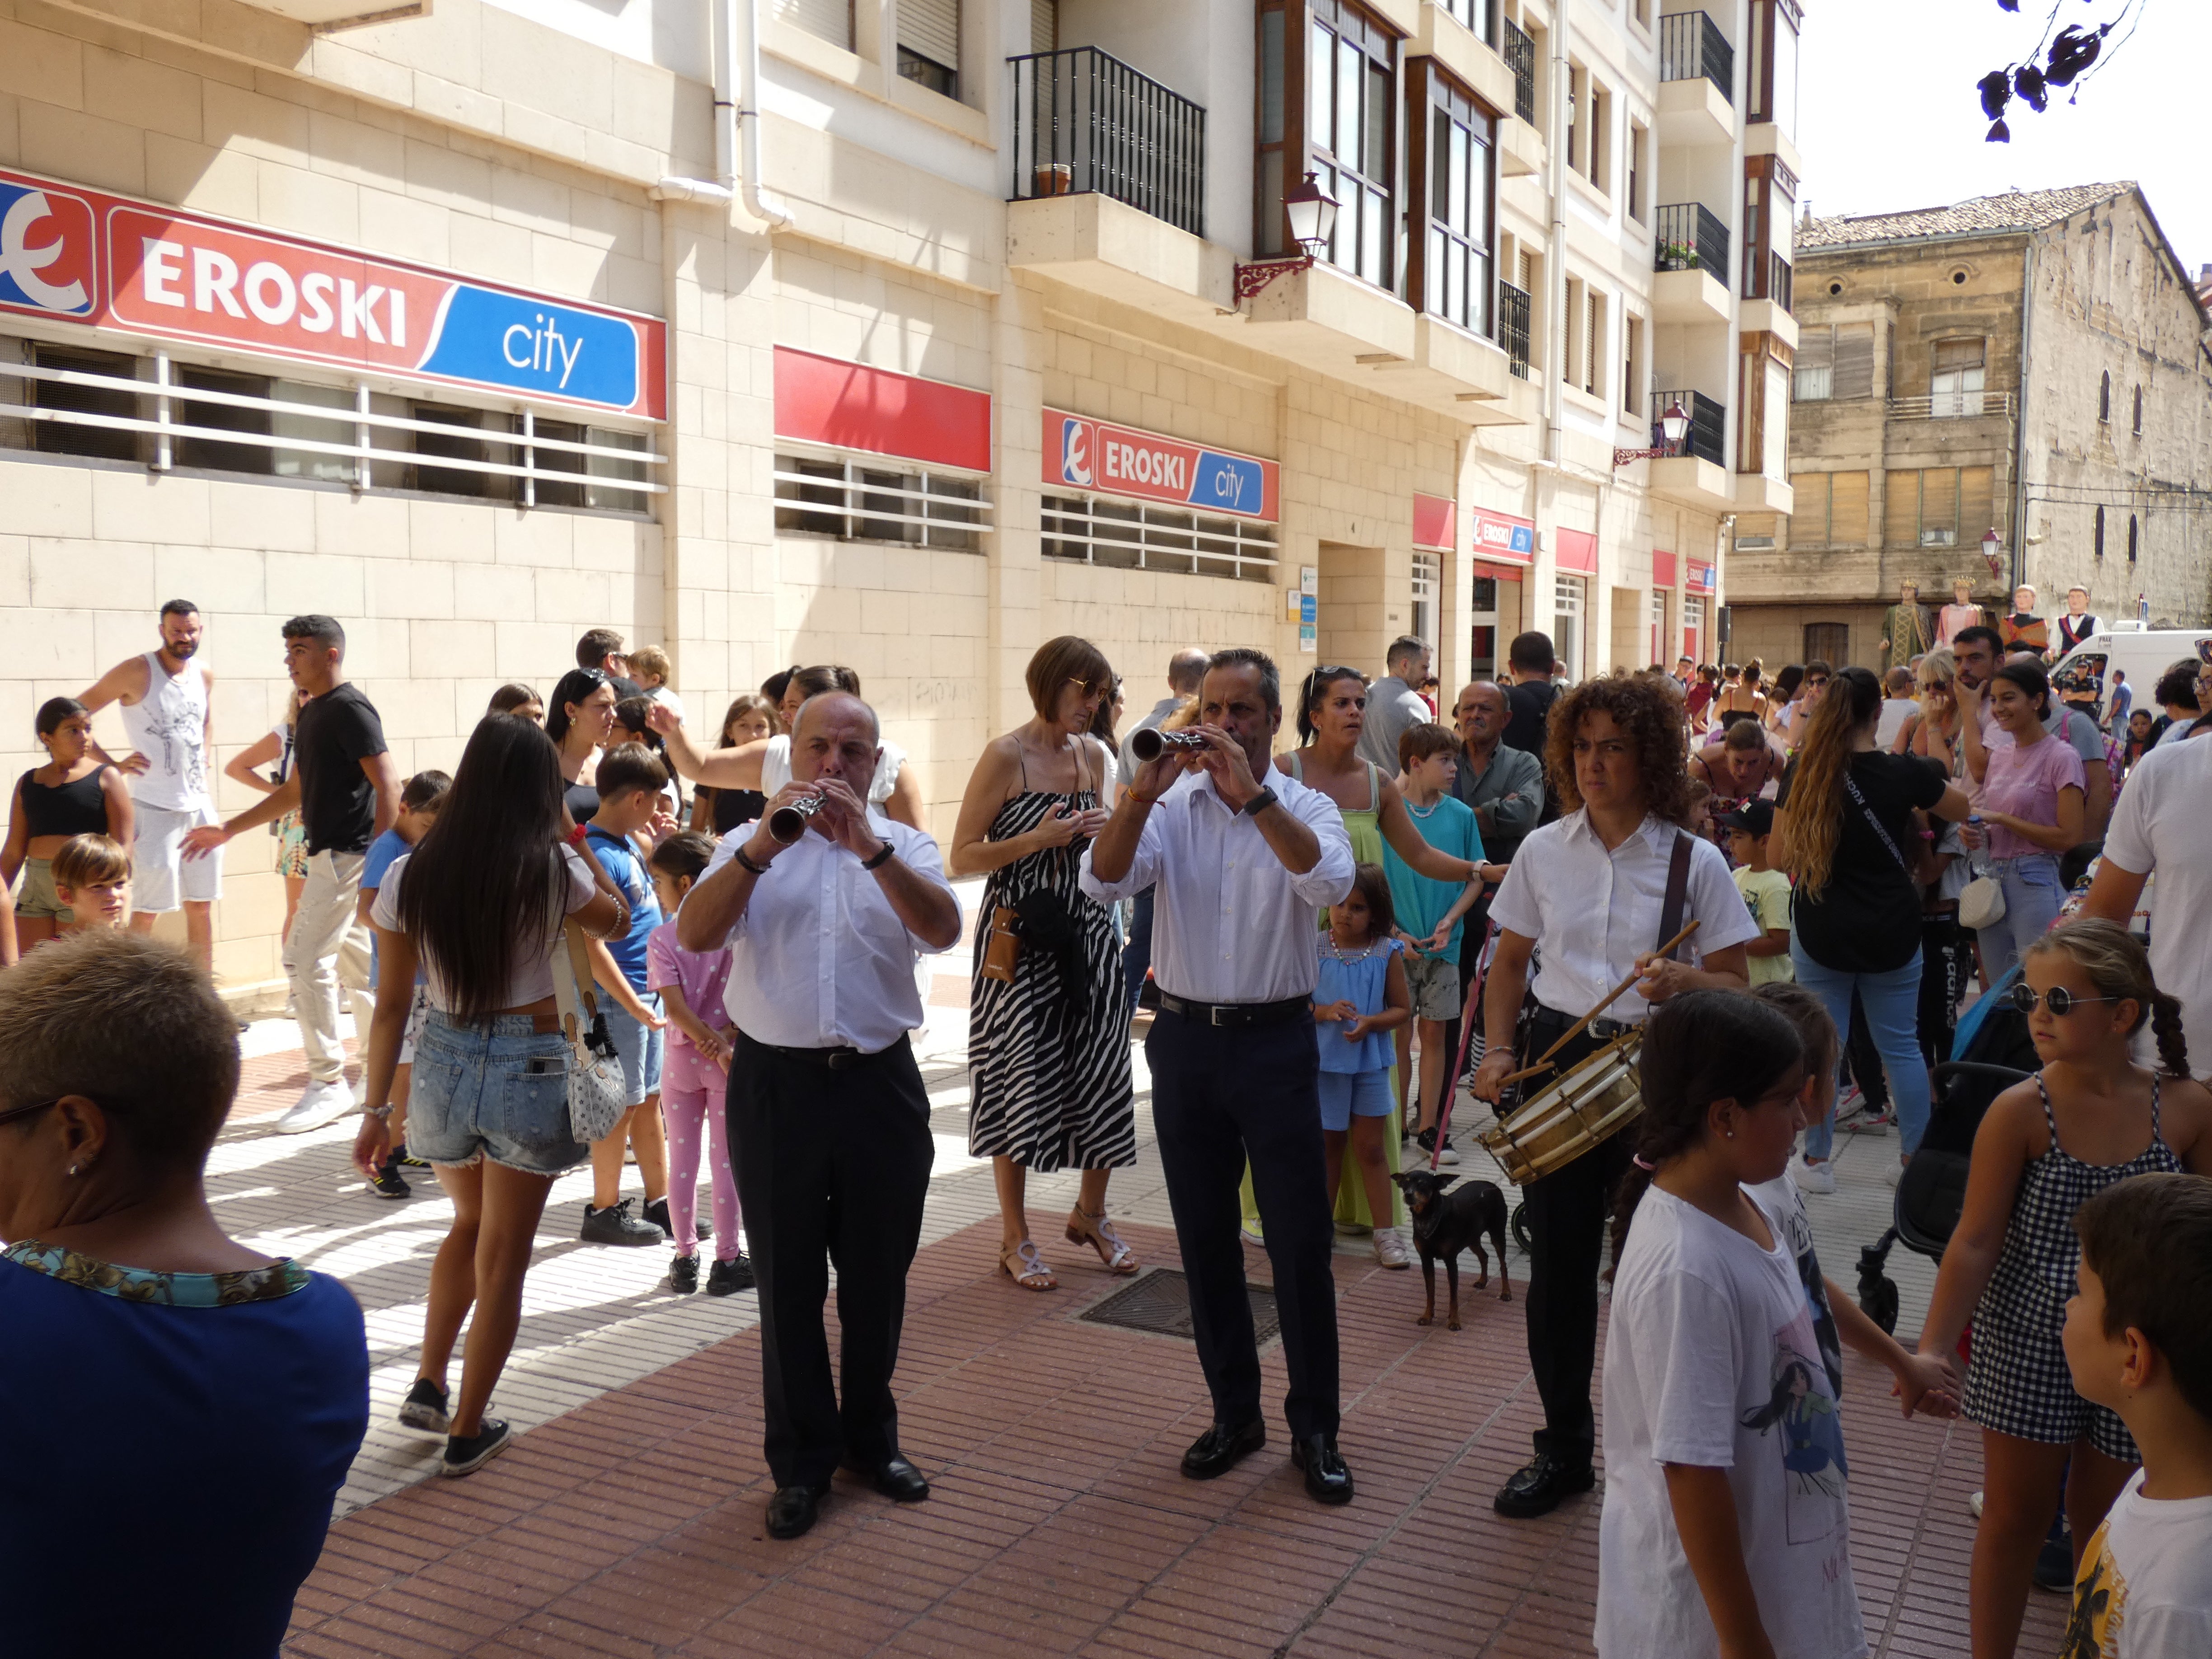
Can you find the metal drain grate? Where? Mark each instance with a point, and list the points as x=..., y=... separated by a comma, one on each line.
x=1160, y=1303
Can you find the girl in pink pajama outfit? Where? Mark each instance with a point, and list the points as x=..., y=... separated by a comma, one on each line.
x=695, y=1076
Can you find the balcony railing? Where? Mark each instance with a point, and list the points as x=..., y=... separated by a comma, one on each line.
x=1950, y=406
x=1691, y=237
x=1691, y=44
x=1520, y=54
x=1513, y=327
x=1085, y=122
x=1707, y=438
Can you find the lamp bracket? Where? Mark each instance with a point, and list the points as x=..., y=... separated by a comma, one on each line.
x=1252, y=278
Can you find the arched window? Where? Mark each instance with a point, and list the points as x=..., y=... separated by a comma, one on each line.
x=2138, y=411
x=2099, y=538
x=2105, y=398
x=2131, y=538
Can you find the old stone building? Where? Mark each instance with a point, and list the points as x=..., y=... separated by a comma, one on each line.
x=2034, y=364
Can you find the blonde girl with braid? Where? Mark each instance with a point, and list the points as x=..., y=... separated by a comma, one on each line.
x=2089, y=1119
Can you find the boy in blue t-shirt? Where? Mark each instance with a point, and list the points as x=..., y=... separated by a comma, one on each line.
x=419, y=801
x=1429, y=911
x=630, y=779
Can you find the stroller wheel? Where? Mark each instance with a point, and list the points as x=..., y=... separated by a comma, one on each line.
x=1520, y=1234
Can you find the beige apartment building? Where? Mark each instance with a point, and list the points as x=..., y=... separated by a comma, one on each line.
x=2014, y=388
x=899, y=333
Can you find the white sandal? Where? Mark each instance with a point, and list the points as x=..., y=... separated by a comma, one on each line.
x=1389, y=1252
x=1101, y=1236
x=1026, y=1268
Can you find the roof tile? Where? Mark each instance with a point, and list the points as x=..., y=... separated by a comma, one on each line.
x=2018, y=210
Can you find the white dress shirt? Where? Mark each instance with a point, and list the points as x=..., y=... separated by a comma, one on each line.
x=1229, y=923
x=1592, y=913
x=819, y=959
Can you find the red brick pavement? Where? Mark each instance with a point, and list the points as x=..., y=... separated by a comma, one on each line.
x=1059, y=1524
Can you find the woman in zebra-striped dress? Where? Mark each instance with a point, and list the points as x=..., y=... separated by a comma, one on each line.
x=1049, y=1048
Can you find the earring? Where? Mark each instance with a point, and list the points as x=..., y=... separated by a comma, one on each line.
x=73, y=1169
x=1730, y=1134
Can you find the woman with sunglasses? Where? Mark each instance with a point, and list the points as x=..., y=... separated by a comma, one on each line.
x=1848, y=838
x=2033, y=806
x=579, y=719
x=2090, y=1118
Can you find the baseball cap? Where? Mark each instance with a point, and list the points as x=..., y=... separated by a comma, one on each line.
x=1754, y=818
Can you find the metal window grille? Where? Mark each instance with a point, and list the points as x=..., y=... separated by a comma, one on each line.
x=1085, y=121
x=166, y=414
x=1135, y=535
x=1513, y=327
x=857, y=498
x=1691, y=44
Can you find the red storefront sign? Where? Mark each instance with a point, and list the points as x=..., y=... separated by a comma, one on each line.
x=1436, y=523
x=1500, y=536
x=1081, y=453
x=1662, y=569
x=1578, y=551
x=1701, y=578
x=843, y=405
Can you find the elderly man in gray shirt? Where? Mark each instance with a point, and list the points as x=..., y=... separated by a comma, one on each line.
x=1185, y=670
x=1393, y=704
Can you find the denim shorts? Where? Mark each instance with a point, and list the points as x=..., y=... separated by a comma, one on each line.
x=1347, y=1095
x=497, y=1090
x=639, y=1049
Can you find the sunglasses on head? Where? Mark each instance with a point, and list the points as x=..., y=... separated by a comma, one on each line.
x=2061, y=1001
x=14, y=1112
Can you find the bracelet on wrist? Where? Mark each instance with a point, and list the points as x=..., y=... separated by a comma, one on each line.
x=746, y=861
x=577, y=835
x=380, y=1113
x=879, y=858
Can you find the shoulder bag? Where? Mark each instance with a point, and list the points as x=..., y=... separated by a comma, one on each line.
x=596, y=1089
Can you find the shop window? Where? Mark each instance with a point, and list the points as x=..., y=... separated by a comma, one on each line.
x=1567, y=622
x=1659, y=627
x=591, y=470
x=448, y=440
x=296, y=424
x=81, y=400
x=1428, y=569
x=929, y=44
x=1452, y=160
x=1693, y=627
x=870, y=499
x=1134, y=536
x=252, y=417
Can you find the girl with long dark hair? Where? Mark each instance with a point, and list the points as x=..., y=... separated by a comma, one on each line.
x=750, y=718
x=1848, y=838
x=72, y=794
x=580, y=719
x=478, y=905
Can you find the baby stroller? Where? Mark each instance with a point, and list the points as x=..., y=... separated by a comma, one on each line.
x=1991, y=1051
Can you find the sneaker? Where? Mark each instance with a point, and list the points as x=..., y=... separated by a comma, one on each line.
x=1974, y=1506
x=424, y=1408
x=683, y=1275
x=407, y=1160
x=728, y=1278
x=1427, y=1140
x=320, y=1104
x=616, y=1225
x=1849, y=1099
x=2054, y=1562
x=1389, y=1251
x=388, y=1182
x=1893, y=1173
x=1253, y=1233
x=656, y=1212
x=1812, y=1177
x=467, y=1456
x=1863, y=1118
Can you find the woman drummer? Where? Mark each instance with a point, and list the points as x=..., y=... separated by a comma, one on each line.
x=1594, y=890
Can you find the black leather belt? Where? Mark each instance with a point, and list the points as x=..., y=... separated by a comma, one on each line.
x=1240, y=1013
x=1603, y=1029
x=835, y=1060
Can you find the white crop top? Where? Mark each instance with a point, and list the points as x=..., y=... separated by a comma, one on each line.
x=530, y=979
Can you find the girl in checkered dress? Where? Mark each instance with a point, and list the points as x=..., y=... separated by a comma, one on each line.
x=2089, y=1118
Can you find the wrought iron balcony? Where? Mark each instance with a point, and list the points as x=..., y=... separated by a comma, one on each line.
x=1513, y=327
x=1691, y=44
x=1691, y=237
x=1707, y=438
x=1084, y=122
x=1520, y=54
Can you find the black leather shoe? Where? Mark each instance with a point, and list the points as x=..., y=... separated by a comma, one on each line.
x=1221, y=1449
x=896, y=1477
x=1328, y=1479
x=1542, y=1487
x=793, y=1509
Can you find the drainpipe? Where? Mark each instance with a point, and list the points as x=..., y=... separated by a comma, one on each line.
x=1555, y=255
x=2020, y=418
x=736, y=121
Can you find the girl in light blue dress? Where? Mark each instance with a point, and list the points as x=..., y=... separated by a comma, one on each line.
x=1361, y=998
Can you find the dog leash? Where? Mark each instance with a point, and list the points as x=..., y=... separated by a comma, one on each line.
x=1467, y=1015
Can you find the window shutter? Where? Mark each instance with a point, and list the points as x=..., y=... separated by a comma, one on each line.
x=1939, y=506
x=1854, y=360
x=1809, y=523
x=1816, y=361
x=1958, y=354
x=931, y=29
x=1044, y=25
x=1847, y=509
x=1976, y=502
x=832, y=20
x=1900, y=521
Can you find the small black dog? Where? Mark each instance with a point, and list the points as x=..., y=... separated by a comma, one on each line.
x=1444, y=1223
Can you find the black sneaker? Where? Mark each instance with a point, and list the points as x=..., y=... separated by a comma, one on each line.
x=2054, y=1562
x=1427, y=1140
x=728, y=1278
x=388, y=1182
x=467, y=1456
x=616, y=1225
x=407, y=1160
x=424, y=1408
x=656, y=1212
x=683, y=1275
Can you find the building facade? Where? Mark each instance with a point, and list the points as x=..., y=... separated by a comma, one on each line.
x=2035, y=367
x=899, y=333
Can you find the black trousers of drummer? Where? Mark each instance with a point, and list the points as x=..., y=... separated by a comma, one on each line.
x=833, y=1166
x=1222, y=1095
x=1567, y=1212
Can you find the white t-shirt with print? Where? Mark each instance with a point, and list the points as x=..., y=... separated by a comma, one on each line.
x=2158, y=827
x=1711, y=1360
x=2144, y=1588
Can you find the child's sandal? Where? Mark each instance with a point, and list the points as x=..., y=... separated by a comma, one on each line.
x=1099, y=1234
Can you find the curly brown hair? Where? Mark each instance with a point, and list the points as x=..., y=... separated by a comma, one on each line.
x=1652, y=721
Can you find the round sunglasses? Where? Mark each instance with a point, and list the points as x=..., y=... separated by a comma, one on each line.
x=2061, y=1001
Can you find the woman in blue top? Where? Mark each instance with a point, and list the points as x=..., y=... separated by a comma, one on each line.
x=178, y=1411
x=1361, y=998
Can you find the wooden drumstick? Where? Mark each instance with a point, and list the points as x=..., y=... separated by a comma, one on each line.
x=1544, y=1061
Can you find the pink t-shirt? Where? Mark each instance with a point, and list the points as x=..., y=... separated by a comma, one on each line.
x=2024, y=783
x=699, y=974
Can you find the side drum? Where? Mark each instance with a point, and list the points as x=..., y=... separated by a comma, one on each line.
x=1601, y=1096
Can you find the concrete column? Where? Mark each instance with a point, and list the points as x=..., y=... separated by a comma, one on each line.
x=1017, y=576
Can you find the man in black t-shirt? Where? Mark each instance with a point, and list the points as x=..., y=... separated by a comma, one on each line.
x=1528, y=659
x=347, y=788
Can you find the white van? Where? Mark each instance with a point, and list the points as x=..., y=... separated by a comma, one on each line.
x=2143, y=653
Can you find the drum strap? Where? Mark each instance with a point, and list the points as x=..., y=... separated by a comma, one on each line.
x=1677, y=891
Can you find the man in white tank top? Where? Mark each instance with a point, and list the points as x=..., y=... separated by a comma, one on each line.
x=168, y=699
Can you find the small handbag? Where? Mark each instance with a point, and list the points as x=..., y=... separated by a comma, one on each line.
x=596, y=1091
x=1981, y=904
